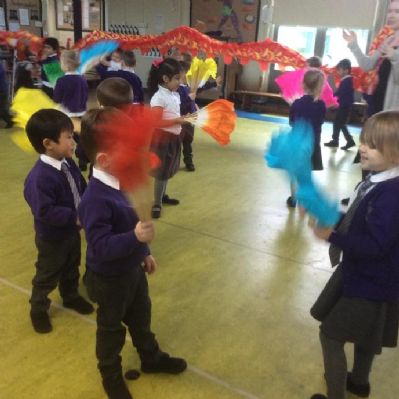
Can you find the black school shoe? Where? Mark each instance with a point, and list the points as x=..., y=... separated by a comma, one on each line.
x=348, y=145
x=362, y=390
x=291, y=202
x=190, y=167
x=170, y=201
x=80, y=305
x=318, y=396
x=41, y=322
x=332, y=144
x=165, y=364
x=117, y=389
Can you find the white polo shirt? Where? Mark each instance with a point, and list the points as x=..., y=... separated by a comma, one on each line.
x=170, y=102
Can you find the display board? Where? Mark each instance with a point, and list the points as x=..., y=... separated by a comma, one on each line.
x=91, y=14
x=235, y=19
x=22, y=15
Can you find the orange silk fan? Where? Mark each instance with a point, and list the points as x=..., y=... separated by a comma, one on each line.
x=218, y=119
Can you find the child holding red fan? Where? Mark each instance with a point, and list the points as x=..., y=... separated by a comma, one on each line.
x=117, y=259
x=163, y=83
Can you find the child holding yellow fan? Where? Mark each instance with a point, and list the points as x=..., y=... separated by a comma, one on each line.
x=193, y=80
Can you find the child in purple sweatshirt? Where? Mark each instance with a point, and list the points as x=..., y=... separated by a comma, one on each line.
x=360, y=303
x=117, y=260
x=52, y=189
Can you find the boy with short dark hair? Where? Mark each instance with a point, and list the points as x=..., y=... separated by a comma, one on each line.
x=117, y=258
x=114, y=92
x=52, y=189
x=345, y=94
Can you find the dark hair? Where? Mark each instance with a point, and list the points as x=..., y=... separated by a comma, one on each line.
x=129, y=58
x=114, y=92
x=185, y=66
x=168, y=67
x=345, y=64
x=90, y=135
x=314, y=62
x=52, y=42
x=47, y=124
x=23, y=76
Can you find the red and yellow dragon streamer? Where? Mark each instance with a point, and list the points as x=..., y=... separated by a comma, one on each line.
x=192, y=41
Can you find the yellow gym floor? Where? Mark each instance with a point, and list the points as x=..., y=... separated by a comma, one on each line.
x=237, y=275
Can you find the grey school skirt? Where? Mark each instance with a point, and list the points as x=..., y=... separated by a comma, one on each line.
x=167, y=146
x=370, y=324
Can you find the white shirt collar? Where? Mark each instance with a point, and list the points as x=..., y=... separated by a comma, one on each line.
x=127, y=69
x=346, y=76
x=55, y=163
x=165, y=89
x=385, y=175
x=72, y=73
x=106, y=178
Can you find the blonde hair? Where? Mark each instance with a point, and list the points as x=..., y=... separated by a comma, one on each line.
x=313, y=82
x=381, y=132
x=70, y=59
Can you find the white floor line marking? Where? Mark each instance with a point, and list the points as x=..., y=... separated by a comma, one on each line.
x=193, y=369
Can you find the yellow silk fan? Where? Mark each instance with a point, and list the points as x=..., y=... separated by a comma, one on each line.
x=200, y=71
x=26, y=102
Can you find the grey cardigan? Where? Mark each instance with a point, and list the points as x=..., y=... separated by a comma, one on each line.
x=369, y=62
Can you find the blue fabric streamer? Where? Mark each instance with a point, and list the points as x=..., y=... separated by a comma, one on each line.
x=291, y=150
x=90, y=56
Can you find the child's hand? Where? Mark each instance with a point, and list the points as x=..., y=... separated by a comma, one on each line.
x=219, y=81
x=320, y=232
x=145, y=231
x=192, y=95
x=149, y=264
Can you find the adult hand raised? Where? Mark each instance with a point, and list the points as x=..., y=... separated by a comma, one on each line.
x=349, y=35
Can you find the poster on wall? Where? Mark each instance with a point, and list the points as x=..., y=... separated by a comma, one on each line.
x=236, y=20
x=91, y=14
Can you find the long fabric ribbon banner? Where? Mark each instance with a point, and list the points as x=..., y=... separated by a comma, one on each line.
x=190, y=40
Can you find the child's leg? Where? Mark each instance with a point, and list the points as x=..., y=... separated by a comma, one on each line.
x=159, y=191
x=187, y=140
x=111, y=294
x=335, y=366
x=5, y=110
x=339, y=121
x=347, y=135
x=50, y=260
x=363, y=360
x=291, y=201
x=69, y=278
x=138, y=320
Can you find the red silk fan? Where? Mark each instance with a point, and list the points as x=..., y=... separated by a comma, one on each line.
x=218, y=119
x=126, y=136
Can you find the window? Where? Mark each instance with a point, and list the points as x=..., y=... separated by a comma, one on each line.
x=299, y=38
x=336, y=48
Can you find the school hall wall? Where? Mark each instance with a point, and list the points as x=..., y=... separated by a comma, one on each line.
x=320, y=13
x=157, y=16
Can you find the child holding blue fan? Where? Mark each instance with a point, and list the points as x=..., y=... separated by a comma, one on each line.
x=360, y=303
x=71, y=90
x=313, y=110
